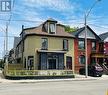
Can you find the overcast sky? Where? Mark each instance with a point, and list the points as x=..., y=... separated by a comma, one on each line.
x=70, y=12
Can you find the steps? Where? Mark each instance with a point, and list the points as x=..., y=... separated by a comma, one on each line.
x=105, y=69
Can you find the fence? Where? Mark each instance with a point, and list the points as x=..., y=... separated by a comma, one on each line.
x=22, y=73
x=17, y=70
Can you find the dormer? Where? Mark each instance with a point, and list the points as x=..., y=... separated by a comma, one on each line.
x=50, y=26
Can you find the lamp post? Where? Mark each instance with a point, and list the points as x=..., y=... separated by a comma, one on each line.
x=85, y=16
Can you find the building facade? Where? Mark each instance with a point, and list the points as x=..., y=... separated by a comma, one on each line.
x=104, y=38
x=79, y=46
x=46, y=47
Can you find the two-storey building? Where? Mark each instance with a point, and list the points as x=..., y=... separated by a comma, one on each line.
x=79, y=45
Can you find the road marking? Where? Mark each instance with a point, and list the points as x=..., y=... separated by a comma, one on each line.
x=107, y=92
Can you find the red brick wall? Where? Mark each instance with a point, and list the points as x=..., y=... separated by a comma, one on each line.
x=106, y=47
x=77, y=53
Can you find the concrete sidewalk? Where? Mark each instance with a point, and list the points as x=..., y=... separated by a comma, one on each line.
x=77, y=78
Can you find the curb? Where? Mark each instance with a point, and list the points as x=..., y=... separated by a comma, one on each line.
x=48, y=80
x=77, y=78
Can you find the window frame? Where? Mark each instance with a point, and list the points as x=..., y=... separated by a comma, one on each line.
x=93, y=48
x=46, y=45
x=65, y=44
x=81, y=48
x=50, y=28
x=82, y=61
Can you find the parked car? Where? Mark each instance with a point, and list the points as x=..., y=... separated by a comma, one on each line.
x=93, y=70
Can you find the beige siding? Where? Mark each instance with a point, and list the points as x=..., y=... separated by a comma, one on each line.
x=33, y=43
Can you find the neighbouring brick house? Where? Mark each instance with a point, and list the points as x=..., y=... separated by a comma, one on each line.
x=79, y=45
x=104, y=38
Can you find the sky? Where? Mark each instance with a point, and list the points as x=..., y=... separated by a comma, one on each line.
x=31, y=13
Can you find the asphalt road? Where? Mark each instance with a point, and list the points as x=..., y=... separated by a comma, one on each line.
x=89, y=87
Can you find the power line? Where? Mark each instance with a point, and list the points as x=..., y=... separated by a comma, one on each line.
x=9, y=36
x=99, y=26
x=21, y=20
x=7, y=25
x=11, y=13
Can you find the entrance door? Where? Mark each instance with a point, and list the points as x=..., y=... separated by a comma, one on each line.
x=52, y=63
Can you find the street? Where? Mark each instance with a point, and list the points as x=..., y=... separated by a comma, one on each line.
x=87, y=87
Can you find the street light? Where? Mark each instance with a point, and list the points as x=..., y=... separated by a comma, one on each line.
x=86, y=15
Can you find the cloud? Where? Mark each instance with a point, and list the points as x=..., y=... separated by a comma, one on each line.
x=57, y=5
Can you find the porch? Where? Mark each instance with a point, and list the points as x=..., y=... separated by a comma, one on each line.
x=102, y=60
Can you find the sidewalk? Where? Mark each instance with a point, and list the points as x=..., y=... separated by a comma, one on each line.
x=77, y=78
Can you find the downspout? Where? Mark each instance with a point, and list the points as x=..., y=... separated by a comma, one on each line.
x=22, y=45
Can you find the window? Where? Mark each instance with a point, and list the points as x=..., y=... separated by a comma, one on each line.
x=65, y=44
x=82, y=59
x=52, y=28
x=81, y=44
x=24, y=62
x=69, y=62
x=44, y=43
x=94, y=45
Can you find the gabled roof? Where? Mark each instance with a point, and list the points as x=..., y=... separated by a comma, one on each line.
x=103, y=36
x=76, y=33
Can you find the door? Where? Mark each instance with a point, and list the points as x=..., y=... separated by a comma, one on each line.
x=52, y=63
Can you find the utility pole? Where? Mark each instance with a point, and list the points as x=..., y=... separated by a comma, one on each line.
x=85, y=24
x=86, y=57
x=6, y=42
x=4, y=47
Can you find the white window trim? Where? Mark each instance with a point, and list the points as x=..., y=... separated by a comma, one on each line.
x=49, y=27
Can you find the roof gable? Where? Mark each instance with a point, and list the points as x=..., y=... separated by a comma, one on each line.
x=104, y=36
x=90, y=34
x=80, y=33
x=106, y=40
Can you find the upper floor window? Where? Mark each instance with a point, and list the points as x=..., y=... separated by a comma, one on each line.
x=93, y=45
x=44, y=43
x=65, y=44
x=52, y=28
x=81, y=44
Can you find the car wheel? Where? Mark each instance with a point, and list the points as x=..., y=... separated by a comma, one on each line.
x=82, y=71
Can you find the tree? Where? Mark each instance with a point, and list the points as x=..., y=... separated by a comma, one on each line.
x=69, y=29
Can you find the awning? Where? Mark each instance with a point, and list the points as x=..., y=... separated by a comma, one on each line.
x=47, y=51
x=99, y=55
